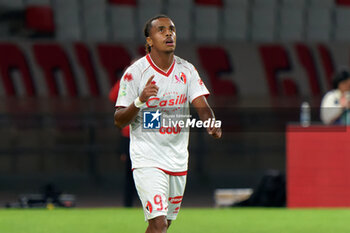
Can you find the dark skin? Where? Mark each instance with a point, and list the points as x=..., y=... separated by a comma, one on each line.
x=162, y=40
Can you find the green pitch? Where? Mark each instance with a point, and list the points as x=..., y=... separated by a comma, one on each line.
x=200, y=220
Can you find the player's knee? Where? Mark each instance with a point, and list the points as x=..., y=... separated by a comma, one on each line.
x=160, y=224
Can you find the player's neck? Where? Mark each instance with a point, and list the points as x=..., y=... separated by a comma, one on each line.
x=162, y=60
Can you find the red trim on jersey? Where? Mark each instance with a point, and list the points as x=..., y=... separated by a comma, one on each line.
x=149, y=59
x=174, y=173
x=168, y=172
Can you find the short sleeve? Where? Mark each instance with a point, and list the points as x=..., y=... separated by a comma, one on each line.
x=196, y=86
x=330, y=107
x=128, y=87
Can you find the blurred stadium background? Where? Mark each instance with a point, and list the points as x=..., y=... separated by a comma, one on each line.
x=59, y=59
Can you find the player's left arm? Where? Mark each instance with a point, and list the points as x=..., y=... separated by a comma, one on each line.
x=205, y=112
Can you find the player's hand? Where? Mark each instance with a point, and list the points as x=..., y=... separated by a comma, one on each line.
x=343, y=101
x=151, y=89
x=215, y=132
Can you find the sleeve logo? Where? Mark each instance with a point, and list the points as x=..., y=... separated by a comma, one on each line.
x=122, y=91
x=128, y=77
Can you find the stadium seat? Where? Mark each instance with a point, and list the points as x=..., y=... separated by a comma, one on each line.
x=264, y=20
x=235, y=19
x=236, y=4
x=11, y=15
x=180, y=3
x=291, y=27
x=342, y=24
x=318, y=24
x=264, y=24
x=343, y=2
x=207, y=20
x=57, y=70
x=38, y=2
x=146, y=10
x=67, y=19
x=293, y=3
x=11, y=4
x=235, y=23
x=94, y=25
x=322, y=3
x=181, y=13
x=123, y=20
x=14, y=67
x=40, y=19
x=265, y=3
x=182, y=20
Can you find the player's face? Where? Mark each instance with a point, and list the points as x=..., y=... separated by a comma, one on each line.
x=344, y=85
x=162, y=35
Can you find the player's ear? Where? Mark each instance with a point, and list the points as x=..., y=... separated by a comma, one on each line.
x=149, y=41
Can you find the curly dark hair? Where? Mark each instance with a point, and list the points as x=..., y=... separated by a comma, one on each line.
x=340, y=76
x=148, y=27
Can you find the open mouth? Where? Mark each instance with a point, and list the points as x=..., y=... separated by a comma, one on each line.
x=169, y=42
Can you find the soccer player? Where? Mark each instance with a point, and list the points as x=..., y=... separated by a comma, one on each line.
x=335, y=104
x=160, y=158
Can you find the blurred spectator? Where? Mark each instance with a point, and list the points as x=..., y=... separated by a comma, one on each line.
x=335, y=104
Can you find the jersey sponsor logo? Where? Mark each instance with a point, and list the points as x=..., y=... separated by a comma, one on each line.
x=170, y=130
x=156, y=102
x=152, y=119
x=149, y=207
x=181, y=78
x=175, y=200
x=128, y=77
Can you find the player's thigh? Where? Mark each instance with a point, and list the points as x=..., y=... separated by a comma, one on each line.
x=152, y=187
x=176, y=192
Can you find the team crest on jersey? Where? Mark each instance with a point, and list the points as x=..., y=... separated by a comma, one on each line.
x=149, y=207
x=181, y=78
x=128, y=77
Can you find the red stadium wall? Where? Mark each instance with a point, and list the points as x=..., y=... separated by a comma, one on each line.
x=318, y=173
x=238, y=69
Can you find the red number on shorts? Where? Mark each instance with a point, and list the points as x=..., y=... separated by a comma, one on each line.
x=158, y=201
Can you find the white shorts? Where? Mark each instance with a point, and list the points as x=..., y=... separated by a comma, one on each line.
x=160, y=194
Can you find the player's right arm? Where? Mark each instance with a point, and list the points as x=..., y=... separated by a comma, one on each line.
x=124, y=115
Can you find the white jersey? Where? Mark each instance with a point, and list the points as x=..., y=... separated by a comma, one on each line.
x=165, y=148
x=331, y=110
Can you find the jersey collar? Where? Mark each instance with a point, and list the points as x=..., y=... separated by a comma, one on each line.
x=156, y=68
